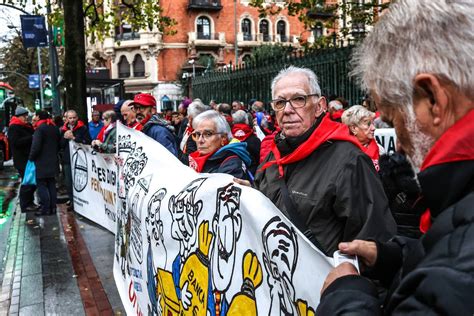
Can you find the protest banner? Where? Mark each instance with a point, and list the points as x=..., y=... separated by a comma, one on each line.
x=387, y=138
x=94, y=184
x=199, y=244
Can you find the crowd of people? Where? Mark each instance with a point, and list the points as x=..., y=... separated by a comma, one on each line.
x=317, y=159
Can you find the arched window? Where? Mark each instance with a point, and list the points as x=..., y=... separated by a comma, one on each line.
x=264, y=30
x=123, y=67
x=281, y=31
x=138, y=66
x=246, y=26
x=203, y=28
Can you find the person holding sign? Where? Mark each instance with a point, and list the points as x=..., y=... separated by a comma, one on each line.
x=361, y=124
x=424, y=86
x=316, y=172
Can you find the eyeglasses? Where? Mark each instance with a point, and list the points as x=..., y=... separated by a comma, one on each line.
x=205, y=134
x=296, y=102
x=137, y=107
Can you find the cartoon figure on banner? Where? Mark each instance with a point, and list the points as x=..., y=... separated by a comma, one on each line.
x=134, y=217
x=280, y=244
x=125, y=147
x=226, y=227
x=156, y=247
x=80, y=170
x=122, y=240
x=134, y=164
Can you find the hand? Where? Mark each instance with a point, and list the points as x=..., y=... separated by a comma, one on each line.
x=205, y=238
x=341, y=270
x=304, y=309
x=252, y=269
x=366, y=251
x=242, y=182
x=186, y=296
x=68, y=134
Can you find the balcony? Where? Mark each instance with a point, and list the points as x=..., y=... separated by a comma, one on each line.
x=209, y=5
x=127, y=36
x=206, y=39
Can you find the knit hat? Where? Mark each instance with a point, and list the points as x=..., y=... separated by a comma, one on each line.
x=144, y=99
x=20, y=111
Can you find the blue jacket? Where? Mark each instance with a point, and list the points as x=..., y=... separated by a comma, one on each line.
x=94, y=129
x=161, y=131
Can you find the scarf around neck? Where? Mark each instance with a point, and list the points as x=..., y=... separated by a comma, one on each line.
x=372, y=150
x=241, y=131
x=46, y=121
x=75, y=128
x=16, y=121
x=197, y=161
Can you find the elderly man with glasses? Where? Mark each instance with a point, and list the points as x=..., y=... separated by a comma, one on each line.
x=316, y=172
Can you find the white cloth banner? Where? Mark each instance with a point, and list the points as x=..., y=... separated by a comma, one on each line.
x=387, y=138
x=94, y=178
x=199, y=244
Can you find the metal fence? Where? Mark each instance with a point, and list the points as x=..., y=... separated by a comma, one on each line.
x=253, y=79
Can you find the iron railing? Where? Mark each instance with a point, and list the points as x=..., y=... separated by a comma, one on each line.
x=205, y=4
x=253, y=79
x=207, y=36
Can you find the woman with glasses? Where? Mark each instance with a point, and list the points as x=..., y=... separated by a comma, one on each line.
x=361, y=124
x=106, y=139
x=216, y=151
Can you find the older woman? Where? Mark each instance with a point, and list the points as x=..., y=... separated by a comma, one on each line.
x=215, y=153
x=106, y=139
x=361, y=124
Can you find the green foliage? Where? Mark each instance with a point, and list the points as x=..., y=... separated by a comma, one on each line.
x=267, y=52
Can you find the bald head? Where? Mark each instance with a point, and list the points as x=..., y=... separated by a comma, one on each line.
x=126, y=110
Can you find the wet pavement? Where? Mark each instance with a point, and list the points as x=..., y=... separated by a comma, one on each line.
x=53, y=265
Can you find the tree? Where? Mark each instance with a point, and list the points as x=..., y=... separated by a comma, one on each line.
x=90, y=18
x=267, y=52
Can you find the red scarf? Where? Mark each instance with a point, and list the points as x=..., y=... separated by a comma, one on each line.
x=16, y=121
x=145, y=120
x=197, y=161
x=241, y=131
x=327, y=130
x=136, y=125
x=337, y=115
x=66, y=127
x=46, y=121
x=101, y=135
x=373, y=152
x=456, y=144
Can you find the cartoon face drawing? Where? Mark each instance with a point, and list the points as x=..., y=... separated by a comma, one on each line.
x=280, y=254
x=184, y=213
x=153, y=223
x=226, y=226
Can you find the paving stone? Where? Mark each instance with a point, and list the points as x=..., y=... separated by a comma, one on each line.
x=36, y=310
x=31, y=290
x=33, y=264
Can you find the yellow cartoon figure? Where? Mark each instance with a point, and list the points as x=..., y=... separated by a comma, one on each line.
x=194, y=280
x=244, y=302
x=304, y=309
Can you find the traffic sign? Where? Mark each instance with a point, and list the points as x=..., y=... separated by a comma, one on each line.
x=34, y=32
x=33, y=81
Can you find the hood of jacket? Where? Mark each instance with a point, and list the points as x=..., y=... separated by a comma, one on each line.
x=156, y=120
x=238, y=148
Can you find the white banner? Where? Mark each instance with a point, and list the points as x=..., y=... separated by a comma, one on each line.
x=387, y=138
x=94, y=179
x=199, y=244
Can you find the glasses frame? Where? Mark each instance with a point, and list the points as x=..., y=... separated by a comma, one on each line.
x=291, y=103
x=196, y=138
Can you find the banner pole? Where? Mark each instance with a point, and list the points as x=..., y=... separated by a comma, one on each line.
x=38, y=49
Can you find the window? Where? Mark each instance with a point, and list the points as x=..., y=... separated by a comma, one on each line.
x=246, y=29
x=124, y=32
x=264, y=30
x=281, y=31
x=203, y=28
x=138, y=66
x=123, y=67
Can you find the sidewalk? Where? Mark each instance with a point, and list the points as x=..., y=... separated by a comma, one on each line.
x=58, y=265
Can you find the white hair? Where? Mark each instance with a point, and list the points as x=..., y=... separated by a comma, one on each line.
x=336, y=105
x=312, y=79
x=196, y=107
x=355, y=114
x=417, y=36
x=221, y=124
x=240, y=116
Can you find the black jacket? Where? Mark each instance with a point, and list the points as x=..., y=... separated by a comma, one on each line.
x=81, y=135
x=44, y=151
x=253, y=147
x=336, y=190
x=430, y=276
x=20, y=138
x=232, y=159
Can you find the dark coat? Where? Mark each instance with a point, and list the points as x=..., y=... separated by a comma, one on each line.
x=232, y=159
x=162, y=132
x=253, y=147
x=81, y=135
x=336, y=190
x=430, y=276
x=44, y=151
x=20, y=138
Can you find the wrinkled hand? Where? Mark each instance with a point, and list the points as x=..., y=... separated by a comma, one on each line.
x=242, y=182
x=366, y=251
x=205, y=238
x=252, y=269
x=68, y=135
x=341, y=270
x=186, y=296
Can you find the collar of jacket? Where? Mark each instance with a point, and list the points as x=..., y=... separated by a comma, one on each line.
x=16, y=121
x=75, y=128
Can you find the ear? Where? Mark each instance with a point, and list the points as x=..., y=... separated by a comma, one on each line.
x=322, y=106
x=431, y=92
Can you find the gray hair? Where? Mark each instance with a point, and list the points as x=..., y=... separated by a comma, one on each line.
x=221, y=124
x=196, y=107
x=110, y=114
x=70, y=112
x=416, y=36
x=312, y=79
x=355, y=114
x=335, y=104
x=240, y=116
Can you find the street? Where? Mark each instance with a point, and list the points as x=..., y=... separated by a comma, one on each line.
x=59, y=264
